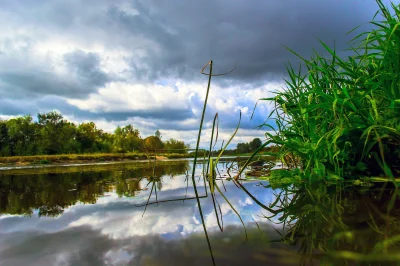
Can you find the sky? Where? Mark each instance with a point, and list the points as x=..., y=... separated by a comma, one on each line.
x=119, y=62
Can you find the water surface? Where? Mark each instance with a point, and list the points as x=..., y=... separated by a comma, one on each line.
x=146, y=214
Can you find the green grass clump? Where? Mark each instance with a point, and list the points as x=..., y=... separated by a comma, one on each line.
x=341, y=118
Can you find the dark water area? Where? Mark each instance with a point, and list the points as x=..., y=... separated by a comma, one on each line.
x=146, y=214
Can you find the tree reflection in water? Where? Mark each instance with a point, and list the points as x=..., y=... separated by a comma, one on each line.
x=51, y=193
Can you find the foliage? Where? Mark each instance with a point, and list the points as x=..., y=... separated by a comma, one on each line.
x=127, y=139
x=340, y=119
x=248, y=147
x=51, y=134
x=158, y=134
x=20, y=134
x=153, y=143
x=56, y=135
x=89, y=137
x=173, y=145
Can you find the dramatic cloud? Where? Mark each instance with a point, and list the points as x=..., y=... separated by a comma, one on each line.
x=117, y=62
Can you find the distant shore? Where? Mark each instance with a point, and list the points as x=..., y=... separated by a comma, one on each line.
x=17, y=161
x=83, y=158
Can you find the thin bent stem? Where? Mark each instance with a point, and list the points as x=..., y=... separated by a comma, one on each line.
x=195, y=160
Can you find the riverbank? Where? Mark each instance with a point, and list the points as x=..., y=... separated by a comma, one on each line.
x=83, y=158
x=62, y=159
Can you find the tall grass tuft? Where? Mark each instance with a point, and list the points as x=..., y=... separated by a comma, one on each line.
x=340, y=119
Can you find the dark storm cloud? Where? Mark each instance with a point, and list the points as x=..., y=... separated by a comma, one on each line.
x=35, y=83
x=87, y=67
x=21, y=78
x=49, y=103
x=11, y=107
x=177, y=39
x=252, y=35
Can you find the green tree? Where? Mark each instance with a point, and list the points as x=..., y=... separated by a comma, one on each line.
x=57, y=135
x=68, y=133
x=175, y=146
x=158, y=134
x=243, y=148
x=255, y=144
x=4, y=139
x=153, y=143
x=106, y=142
x=134, y=142
x=52, y=134
x=127, y=139
x=21, y=136
x=89, y=137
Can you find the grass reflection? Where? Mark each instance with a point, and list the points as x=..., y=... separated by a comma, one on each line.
x=340, y=223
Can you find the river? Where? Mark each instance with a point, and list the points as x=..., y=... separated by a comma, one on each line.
x=147, y=214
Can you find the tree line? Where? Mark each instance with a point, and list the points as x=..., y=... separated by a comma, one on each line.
x=52, y=134
x=245, y=148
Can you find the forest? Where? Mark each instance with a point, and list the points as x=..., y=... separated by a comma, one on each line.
x=52, y=134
